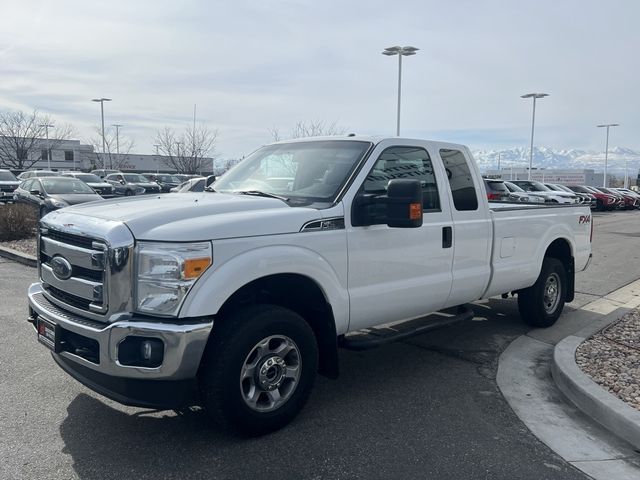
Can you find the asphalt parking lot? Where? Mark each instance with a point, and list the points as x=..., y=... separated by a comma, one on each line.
x=425, y=408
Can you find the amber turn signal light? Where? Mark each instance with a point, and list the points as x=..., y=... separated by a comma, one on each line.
x=194, y=267
x=415, y=211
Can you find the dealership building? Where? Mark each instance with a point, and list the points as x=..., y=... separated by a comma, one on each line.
x=75, y=155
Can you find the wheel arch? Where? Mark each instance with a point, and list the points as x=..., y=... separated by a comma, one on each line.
x=302, y=295
x=561, y=249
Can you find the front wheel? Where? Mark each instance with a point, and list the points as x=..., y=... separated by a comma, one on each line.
x=541, y=304
x=128, y=193
x=258, y=369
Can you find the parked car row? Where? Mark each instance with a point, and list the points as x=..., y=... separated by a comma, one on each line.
x=46, y=194
x=530, y=191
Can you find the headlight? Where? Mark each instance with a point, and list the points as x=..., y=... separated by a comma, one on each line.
x=166, y=272
x=58, y=203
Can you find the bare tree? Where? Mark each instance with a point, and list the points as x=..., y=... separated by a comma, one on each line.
x=307, y=128
x=117, y=148
x=186, y=152
x=23, y=138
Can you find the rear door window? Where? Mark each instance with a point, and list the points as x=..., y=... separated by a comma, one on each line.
x=460, y=180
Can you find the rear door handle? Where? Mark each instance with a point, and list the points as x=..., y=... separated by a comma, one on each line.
x=447, y=237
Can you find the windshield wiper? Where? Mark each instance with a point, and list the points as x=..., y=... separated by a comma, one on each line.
x=258, y=193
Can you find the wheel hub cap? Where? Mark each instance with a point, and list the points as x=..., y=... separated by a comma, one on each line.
x=551, y=293
x=270, y=373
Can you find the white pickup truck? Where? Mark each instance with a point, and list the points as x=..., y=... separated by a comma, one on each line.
x=235, y=299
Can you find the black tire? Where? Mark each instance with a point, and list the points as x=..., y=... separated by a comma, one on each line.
x=535, y=308
x=128, y=193
x=233, y=340
x=600, y=206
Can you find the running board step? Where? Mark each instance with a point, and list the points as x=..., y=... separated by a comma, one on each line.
x=376, y=336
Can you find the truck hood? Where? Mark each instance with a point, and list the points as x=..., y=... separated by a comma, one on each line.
x=195, y=216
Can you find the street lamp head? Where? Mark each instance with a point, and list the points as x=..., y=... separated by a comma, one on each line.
x=409, y=50
x=609, y=125
x=392, y=50
x=100, y=99
x=534, y=95
x=404, y=51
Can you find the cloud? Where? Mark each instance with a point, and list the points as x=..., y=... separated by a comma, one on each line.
x=252, y=65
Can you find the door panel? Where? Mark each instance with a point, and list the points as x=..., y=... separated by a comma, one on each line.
x=472, y=228
x=400, y=273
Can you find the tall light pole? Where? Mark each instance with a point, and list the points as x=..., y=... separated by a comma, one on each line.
x=535, y=96
x=102, y=100
x=157, y=145
x=46, y=132
x=606, y=154
x=117, y=125
x=401, y=52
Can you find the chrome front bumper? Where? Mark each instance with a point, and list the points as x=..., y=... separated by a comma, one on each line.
x=184, y=342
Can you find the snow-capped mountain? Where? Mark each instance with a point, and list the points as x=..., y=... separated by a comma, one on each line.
x=544, y=157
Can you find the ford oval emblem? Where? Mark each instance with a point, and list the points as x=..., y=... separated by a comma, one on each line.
x=61, y=268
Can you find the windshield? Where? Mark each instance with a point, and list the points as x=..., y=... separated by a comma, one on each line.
x=55, y=186
x=45, y=173
x=304, y=171
x=513, y=187
x=7, y=177
x=133, y=178
x=532, y=186
x=89, y=178
x=167, y=179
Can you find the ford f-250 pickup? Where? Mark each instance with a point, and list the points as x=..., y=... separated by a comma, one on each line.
x=235, y=298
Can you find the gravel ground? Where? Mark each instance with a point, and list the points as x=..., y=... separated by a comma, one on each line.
x=612, y=358
x=26, y=245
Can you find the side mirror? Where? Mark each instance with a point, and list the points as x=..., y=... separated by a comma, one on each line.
x=121, y=182
x=404, y=203
x=401, y=207
x=210, y=180
x=35, y=192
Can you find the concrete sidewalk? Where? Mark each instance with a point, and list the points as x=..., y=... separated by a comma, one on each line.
x=525, y=379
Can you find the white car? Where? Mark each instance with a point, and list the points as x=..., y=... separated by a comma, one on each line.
x=540, y=190
x=525, y=197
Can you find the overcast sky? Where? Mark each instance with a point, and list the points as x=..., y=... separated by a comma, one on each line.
x=252, y=65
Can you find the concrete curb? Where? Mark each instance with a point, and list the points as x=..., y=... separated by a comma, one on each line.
x=608, y=410
x=19, y=257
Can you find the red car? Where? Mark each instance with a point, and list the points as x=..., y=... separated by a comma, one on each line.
x=630, y=201
x=604, y=201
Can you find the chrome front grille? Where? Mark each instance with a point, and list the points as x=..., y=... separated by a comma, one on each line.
x=73, y=269
x=86, y=264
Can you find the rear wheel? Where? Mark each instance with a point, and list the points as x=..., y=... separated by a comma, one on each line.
x=128, y=193
x=541, y=304
x=258, y=369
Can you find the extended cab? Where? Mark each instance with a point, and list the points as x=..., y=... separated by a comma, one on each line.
x=235, y=298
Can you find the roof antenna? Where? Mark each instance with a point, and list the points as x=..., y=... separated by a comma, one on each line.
x=351, y=135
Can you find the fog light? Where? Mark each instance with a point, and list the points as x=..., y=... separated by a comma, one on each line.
x=147, y=348
x=141, y=352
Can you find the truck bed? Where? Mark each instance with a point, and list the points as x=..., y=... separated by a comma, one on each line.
x=521, y=234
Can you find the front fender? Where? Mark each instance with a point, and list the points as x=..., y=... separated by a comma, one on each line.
x=220, y=282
